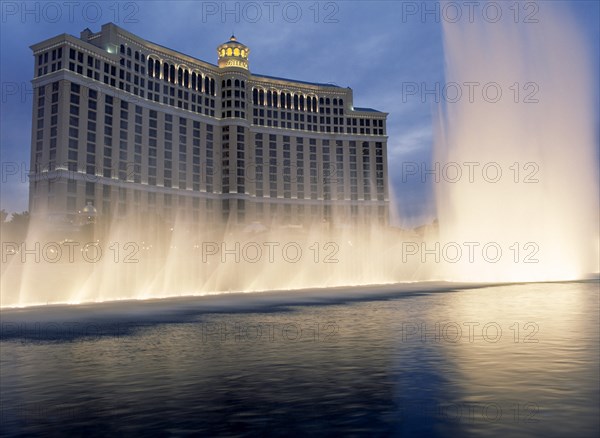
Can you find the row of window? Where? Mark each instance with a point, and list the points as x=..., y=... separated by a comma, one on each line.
x=207, y=85
x=259, y=121
x=124, y=168
x=121, y=201
x=180, y=75
x=49, y=61
x=123, y=135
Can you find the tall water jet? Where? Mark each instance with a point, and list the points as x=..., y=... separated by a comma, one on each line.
x=525, y=207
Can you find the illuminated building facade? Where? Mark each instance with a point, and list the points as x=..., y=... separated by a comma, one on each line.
x=135, y=128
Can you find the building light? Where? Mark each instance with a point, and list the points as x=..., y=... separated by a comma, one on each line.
x=272, y=108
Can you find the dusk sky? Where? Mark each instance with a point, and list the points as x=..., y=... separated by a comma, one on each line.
x=372, y=47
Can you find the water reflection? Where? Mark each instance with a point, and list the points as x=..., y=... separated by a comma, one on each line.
x=372, y=366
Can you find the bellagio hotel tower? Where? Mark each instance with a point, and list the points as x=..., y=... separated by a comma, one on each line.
x=133, y=128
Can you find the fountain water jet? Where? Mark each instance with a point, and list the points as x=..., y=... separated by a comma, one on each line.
x=139, y=263
x=540, y=134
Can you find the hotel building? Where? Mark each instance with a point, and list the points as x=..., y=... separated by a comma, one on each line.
x=135, y=128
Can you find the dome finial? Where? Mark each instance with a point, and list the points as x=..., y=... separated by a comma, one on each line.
x=232, y=38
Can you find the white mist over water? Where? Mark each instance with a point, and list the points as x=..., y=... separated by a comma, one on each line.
x=194, y=263
x=543, y=210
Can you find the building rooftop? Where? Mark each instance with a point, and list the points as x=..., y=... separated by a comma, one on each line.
x=233, y=40
x=318, y=84
x=368, y=110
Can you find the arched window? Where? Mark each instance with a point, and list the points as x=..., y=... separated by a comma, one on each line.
x=237, y=83
x=150, y=67
x=229, y=82
x=341, y=102
x=142, y=57
x=295, y=101
x=320, y=101
x=186, y=79
x=335, y=101
x=327, y=101
x=193, y=81
x=129, y=51
x=243, y=85
x=206, y=84
x=269, y=98
x=157, y=69
x=314, y=104
x=213, y=90
x=180, y=76
x=122, y=49
x=172, y=74
x=255, y=96
x=223, y=83
x=275, y=99
x=137, y=55
x=288, y=103
x=261, y=97
x=301, y=103
x=165, y=71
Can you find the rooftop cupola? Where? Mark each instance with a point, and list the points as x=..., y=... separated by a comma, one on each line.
x=233, y=54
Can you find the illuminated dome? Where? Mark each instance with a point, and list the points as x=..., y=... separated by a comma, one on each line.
x=232, y=53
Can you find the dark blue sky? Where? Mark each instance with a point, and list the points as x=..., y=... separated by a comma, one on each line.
x=376, y=48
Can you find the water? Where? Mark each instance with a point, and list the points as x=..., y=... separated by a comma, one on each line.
x=133, y=262
x=521, y=173
x=323, y=365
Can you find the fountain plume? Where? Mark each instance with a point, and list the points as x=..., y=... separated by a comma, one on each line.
x=543, y=210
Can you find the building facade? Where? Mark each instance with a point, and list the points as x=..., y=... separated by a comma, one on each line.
x=135, y=128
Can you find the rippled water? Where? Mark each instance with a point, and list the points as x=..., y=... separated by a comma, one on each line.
x=511, y=360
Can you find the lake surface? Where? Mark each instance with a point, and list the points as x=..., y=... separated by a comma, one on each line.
x=497, y=361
